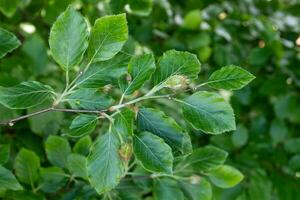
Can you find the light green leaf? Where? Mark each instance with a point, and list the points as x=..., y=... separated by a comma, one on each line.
x=166, y=189
x=192, y=20
x=8, y=42
x=8, y=180
x=158, y=123
x=140, y=7
x=4, y=153
x=153, y=153
x=69, y=38
x=140, y=69
x=230, y=78
x=204, y=159
x=88, y=99
x=201, y=190
x=8, y=8
x=240, y=137
x=77, y=165
x=208, y=112
x=82, y=146
x=105, y=166
x=108, y=36
x=52, y=179
x=176, y=63
x=57, y=150
x=26, y=166
x=102, y=73
x=82, y=125
x=25, y=95
x=225, y=176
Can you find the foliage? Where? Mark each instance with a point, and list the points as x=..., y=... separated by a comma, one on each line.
x=153, y=104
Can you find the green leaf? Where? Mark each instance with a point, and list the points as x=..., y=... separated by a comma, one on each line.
x=82, y=146
x=140, y=69
x=153, y=153
x=208, y=112
x=88, y=99
x=192, y=20
x=225, y=176
x=77, y=165
x=26, y=166
x=140, y=7
x=8, y=42
x=102, y=73
x=105, y=167
x=52, y=179
x=108, y=36
x=123, y=123
x=176, y=63
x=83, y=125
x=240, y=137
x=198, y=190
x=278, y=131
x=8, y=181
x=69, y=38
x=4, y=153
x=292, y=145
x=158, y=123
x=9, y=7
x=25, y=95
x=204, y=159
x=166, y=188
x=57, y=150
x=230, y=78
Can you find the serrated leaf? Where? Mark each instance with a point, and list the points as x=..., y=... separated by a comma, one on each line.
x=225, y=176
x=140, y=69
x=208, y=112
x=26, y=166
x=203, y=159
x=108, y=36
x=52, y=179
x=197, y=191
x=8, y=42
x=153, y=153
x=88, y=99
x=160, y=124
x=166, y=188
x=176, y=63
x=77, y=165
x=8, y=180
x=25, y=95
x=123, y=123
x=230, y=78
x=102, y=73
x=82, y=125
x=57, y=150
x=69, y=38
x=105, y=167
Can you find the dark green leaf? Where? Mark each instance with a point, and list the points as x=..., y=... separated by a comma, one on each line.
x=198, y=190
x=166, y=188
x=140, y=69
x=158, y=123
x=27, y=165
x=52, y=179
x=4, y=153
x=153, y=153
x=82, y=146
x=57, y=150
x=83, y=125
x=8, y=180
x=140, y=7
x=77, y=165
x=209, y=113
x=25, y=95
x=105, y=167
x=8, y=41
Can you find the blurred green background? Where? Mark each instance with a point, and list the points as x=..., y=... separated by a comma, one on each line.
x=262, y=36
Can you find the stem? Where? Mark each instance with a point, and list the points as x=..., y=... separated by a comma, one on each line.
x=67, y=79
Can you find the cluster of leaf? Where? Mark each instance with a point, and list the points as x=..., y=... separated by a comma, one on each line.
x=139, y=141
